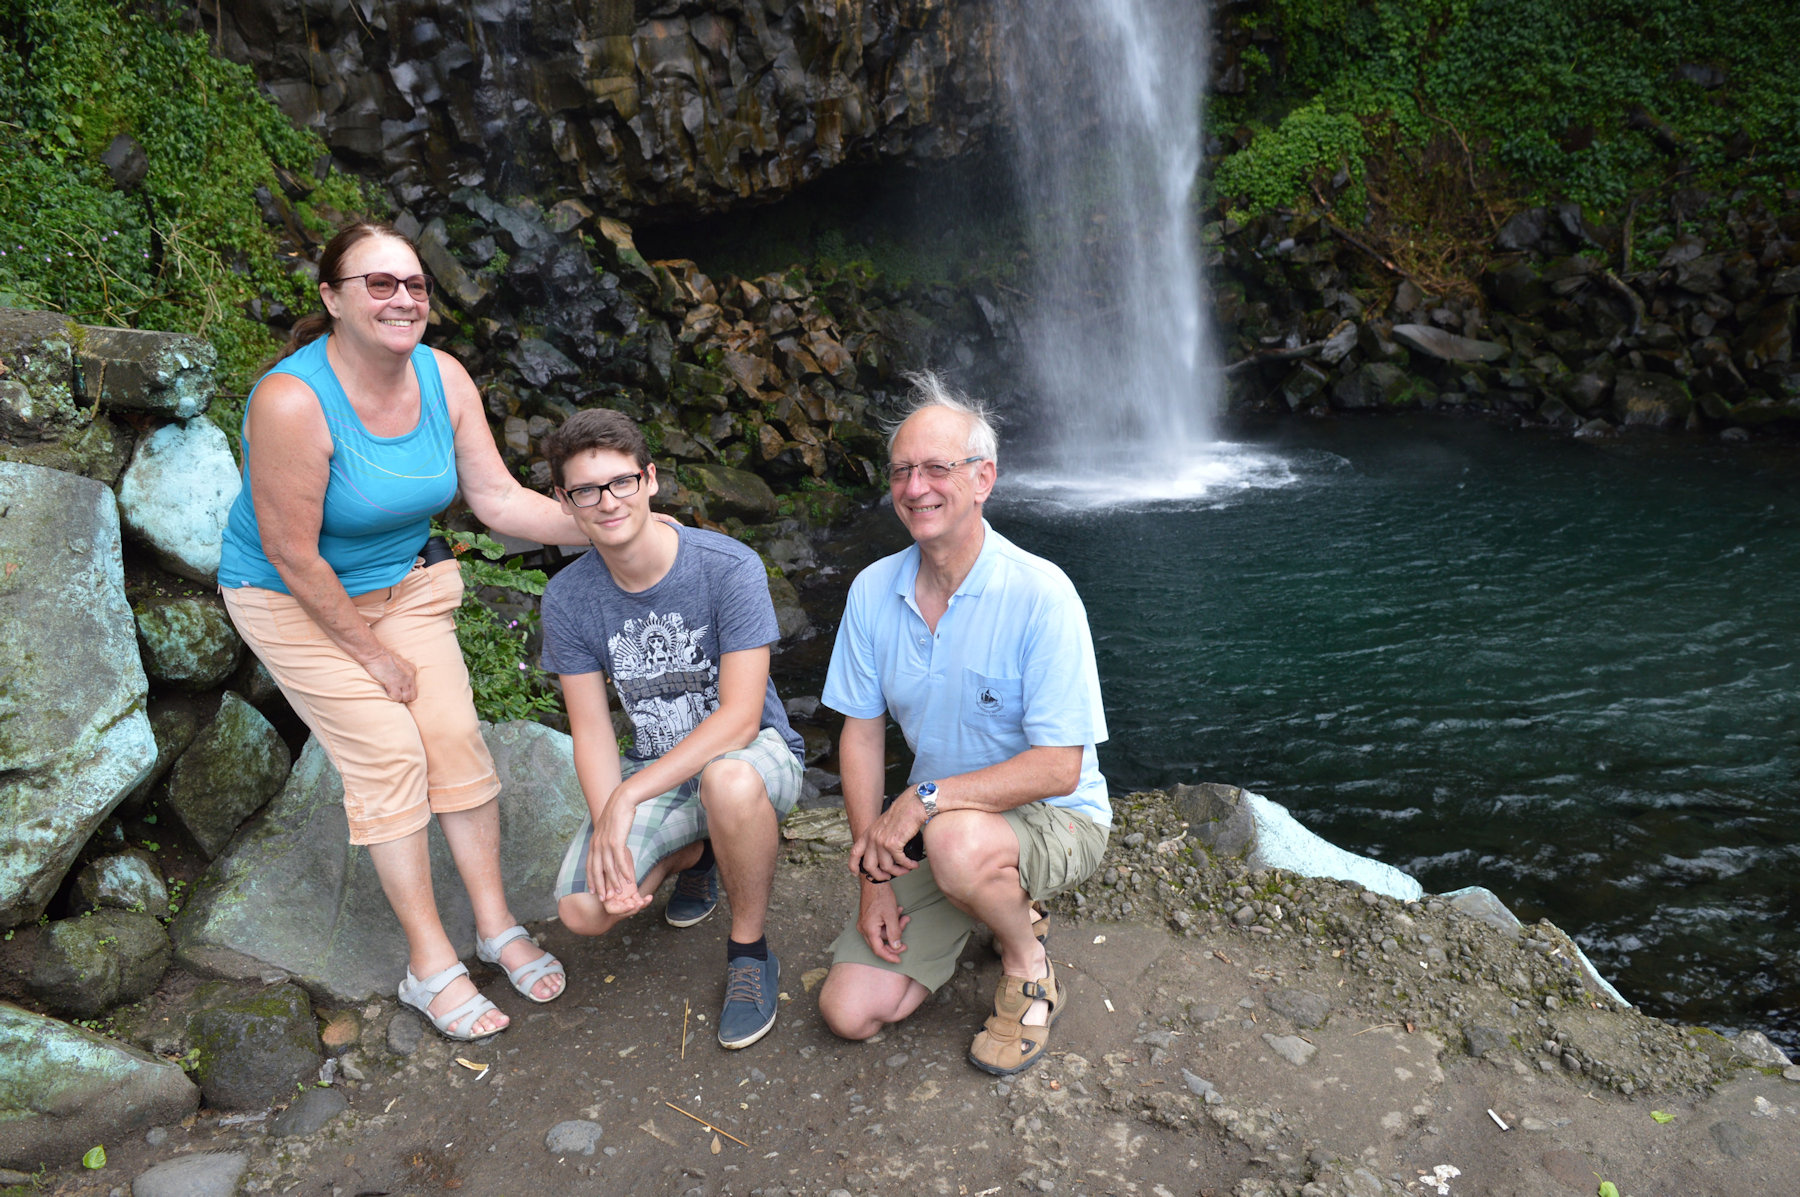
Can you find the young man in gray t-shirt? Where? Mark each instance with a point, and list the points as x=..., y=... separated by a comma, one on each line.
x=681, y=620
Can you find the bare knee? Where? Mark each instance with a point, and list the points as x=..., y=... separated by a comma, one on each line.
x=856, y=1009
x=969, y=848
x=583, y=914
x=732, y=785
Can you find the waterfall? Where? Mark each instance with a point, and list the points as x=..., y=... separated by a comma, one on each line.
x=1106, y=100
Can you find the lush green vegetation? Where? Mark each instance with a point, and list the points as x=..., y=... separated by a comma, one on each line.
x=1600, y=101
x=190, y=247
x=507, y=684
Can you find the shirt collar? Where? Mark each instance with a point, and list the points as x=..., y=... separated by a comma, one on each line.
x=907, y=577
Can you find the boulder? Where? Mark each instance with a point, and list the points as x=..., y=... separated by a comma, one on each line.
x=1445, y=346
x=292, y=897
x=729, y=492
x=138, y=370
x=38, y=399
x=1769, y=337
x=1235, y=822
x=1379, y=385
x=176, y=493
x=252, y=1047
x=791, y=619
x=469, y=290
x=1650, y=400
x=227, y=773
x=1479, y=902
x=62, y=1090
x=1303, y=382
x=174, y=728
x=74, y=739
x=188, y=642
x=98, y=451
x=85, y=966
x=123, y=881
x=1523, y=232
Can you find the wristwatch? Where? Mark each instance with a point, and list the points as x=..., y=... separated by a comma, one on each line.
x=927, y=792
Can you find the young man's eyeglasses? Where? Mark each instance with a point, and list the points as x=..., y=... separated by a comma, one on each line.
x=621, y=488
x=383, y=286
x=937, y=471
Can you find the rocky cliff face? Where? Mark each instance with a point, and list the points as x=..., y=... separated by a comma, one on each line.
x=685, y=108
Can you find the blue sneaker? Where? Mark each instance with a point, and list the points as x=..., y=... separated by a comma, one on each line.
x=696, y=895
x=750, y=997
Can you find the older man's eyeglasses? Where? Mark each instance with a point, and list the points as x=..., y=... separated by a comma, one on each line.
x=383, y=286
x=937, y=471
x=621, y=488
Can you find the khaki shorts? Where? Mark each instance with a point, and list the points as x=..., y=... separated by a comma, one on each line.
x=1058, y=849
x=400, y=762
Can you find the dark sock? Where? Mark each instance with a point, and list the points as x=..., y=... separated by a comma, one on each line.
x=755, y=951
x=706, y=856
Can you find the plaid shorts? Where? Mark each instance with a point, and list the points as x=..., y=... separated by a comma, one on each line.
x=673, y=820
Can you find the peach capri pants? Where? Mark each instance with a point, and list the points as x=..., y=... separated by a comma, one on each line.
x=400, y=762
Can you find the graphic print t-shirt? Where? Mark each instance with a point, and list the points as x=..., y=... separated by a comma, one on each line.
x=661, y=646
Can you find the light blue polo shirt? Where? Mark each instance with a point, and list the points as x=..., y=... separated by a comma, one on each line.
x=1011, y=667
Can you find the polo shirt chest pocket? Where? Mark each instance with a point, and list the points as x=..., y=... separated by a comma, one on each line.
x=991, y=701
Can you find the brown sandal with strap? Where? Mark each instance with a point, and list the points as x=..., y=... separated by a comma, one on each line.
x=1007, y=1045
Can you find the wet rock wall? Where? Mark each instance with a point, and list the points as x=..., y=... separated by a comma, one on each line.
x=674, y=108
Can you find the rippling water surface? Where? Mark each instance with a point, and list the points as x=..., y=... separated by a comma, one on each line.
x=1563, y=670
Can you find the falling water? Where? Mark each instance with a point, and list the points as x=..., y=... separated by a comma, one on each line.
x=1107, y=98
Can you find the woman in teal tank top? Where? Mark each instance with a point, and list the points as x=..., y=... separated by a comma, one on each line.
x=352, y=441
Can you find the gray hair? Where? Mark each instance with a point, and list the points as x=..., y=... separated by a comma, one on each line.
x=928, y=390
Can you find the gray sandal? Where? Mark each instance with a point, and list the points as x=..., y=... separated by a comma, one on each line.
x=419, y=995
x=527, y=975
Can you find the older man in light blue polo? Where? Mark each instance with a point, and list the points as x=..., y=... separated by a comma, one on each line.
x=981, y=651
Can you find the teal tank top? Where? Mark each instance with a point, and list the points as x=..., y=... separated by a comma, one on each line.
x=382, y=492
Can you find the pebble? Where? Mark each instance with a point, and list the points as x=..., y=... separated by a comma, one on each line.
x=1791, y=1072
x=156, y=1136
x=310, y=1111
x=577, y=1136
x=896, y=1060
x=213, y=1174
x=1199, y=1086
x=1291, y=1048
x=405, y=1031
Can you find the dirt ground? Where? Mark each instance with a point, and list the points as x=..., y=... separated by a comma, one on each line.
x=1154, y=1018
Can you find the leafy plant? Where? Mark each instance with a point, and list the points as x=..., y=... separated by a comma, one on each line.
x=190, y=248
x=507, y=684
x=1592, y=100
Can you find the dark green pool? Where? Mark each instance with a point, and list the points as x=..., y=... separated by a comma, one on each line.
x=1562, y=669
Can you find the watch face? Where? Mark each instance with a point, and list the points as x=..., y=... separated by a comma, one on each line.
x=927, y=790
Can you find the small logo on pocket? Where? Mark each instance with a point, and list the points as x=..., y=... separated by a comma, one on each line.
x=987, y=700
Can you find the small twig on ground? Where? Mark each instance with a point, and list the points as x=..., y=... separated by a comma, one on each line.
x=709, y=1126
x=685, y=1007
x=1381, y=1026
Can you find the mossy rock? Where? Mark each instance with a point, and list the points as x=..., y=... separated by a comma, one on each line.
x=230, y=770
x=188, y=642
x=253, y=1048
x=730, y=492
x=85, y=966
x=125, y=881
x=98, y=451
x=174, y=728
